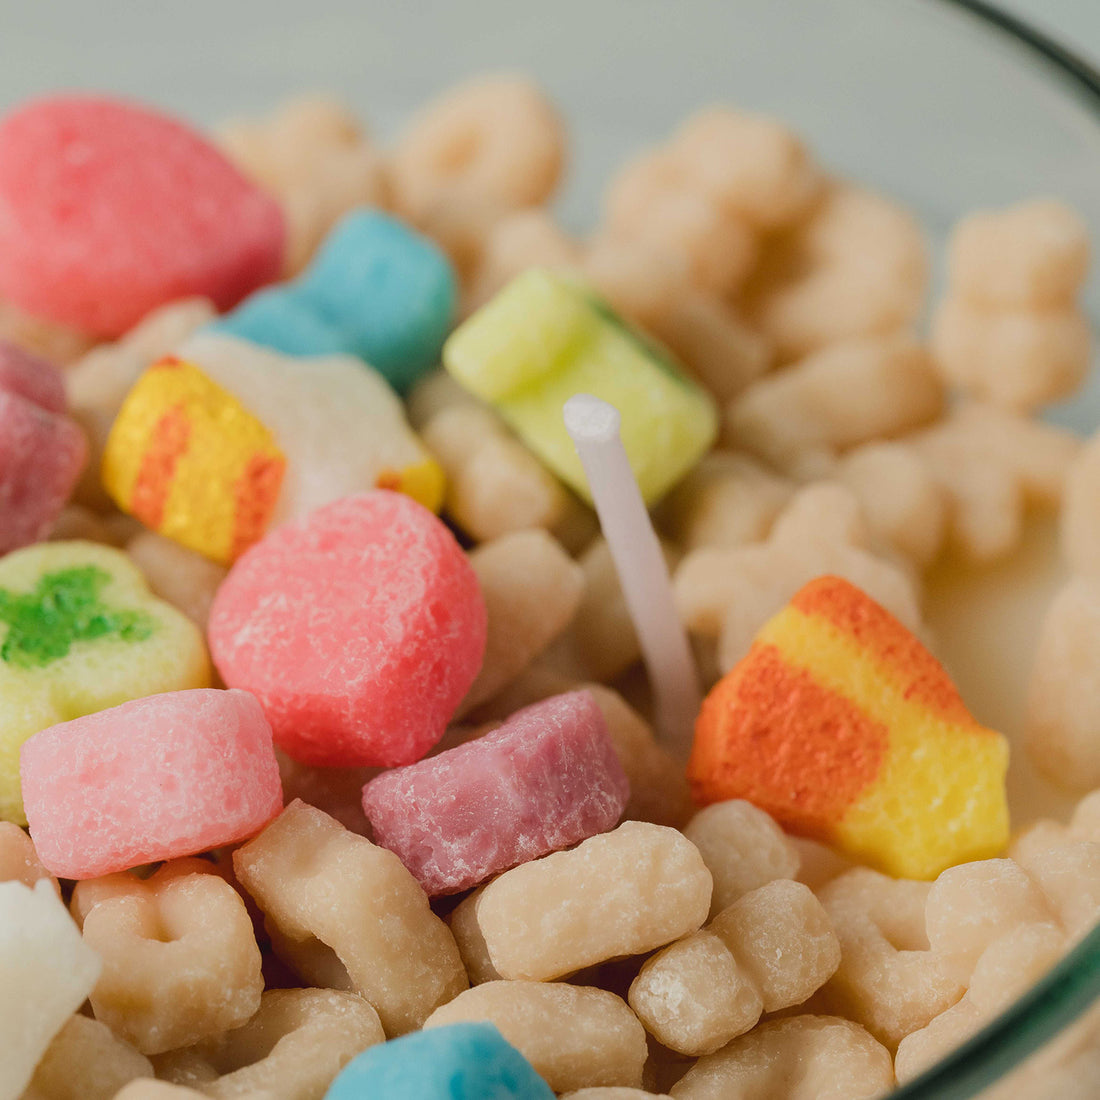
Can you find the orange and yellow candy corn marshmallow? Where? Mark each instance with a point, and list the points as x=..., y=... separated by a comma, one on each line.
x=189, y=460
x=842, y=726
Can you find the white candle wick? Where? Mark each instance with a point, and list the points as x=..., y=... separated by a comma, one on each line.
x=594, y=427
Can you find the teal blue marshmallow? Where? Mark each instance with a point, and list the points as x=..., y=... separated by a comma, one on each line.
x=457, y=1062
x=376, y=289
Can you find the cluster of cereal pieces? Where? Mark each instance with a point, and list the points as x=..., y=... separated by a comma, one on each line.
x=235, y=475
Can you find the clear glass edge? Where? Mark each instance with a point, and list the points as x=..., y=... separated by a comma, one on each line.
x=1073, y=985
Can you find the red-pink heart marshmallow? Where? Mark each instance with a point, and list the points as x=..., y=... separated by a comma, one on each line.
x=160, y=777
x=41, y=456
x=109, y=209
x=359, y=628
x=546, y=779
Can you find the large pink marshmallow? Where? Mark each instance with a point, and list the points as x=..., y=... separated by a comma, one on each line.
x=109, y=209
x=359, y=628
x=546, y=779
x=41, y=456
x=160, y=777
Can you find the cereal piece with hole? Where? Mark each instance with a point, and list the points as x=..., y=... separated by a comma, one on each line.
x=348, y=914
x=574, y=1036
x=622, y=893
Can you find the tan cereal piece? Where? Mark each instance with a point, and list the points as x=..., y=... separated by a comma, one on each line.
x=496, y=137
x=856, y=266
x=973, y=904
x=613, y=1093
x=732, y=593
x=292, y=1049
x=991, y=464
x=888, y=979
x=728, y=500
x=433, y=393
x=845, y=394
x=184, y=578
x=783, y=938
x=532, y=590
x=49, y=339
x=1063, y=702
x=19, y=860
x=332, y=895
x=620, y=893
x=1017, y=359
x=751, y=164
x=337, y=791
x=923, y=1048
x=143, y=1089
x=694, y=996
x=494, y=484
x=1069, y=876
x=78, y=522
x=180, y=961
x=574, y=1036
x=799, y=1058
x=1031, y=254
x=313, y=156
x=743, y=849
x=471, y=943
x=901, y=501
x=600, y=643
x=1080, y=516
x=99, y=381
x=86, y=1061
x=818, y=864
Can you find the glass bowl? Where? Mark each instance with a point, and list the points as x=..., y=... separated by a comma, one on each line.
x=945, y=104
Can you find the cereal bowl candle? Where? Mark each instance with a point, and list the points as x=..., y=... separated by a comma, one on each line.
x=360, y=629
x=842, y=726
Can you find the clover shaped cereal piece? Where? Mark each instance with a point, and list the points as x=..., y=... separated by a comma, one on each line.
x=86, y=1061
x=831, y=1055
x=48, y=973
x=345, y=907
x=291, y=1049
x=180, y=961
x=80, y=632
x=574, y=1036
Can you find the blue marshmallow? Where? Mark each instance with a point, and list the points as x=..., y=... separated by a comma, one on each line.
x=376, y=289
x=457, y=1062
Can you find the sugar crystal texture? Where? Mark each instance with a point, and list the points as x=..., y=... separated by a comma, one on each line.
x=547, y=779
x=159, y=777
x=360, y=629
x=108, y=210
x=48, y=972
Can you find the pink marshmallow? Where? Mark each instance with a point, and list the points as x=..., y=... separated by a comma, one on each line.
x=359, y=628
x=160, y=777
x=108, y=210
x=548, y=778
x=41, y=456
x=30, y=376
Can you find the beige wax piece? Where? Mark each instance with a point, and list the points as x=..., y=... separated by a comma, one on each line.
x=335, y=895
x=800, y=1058
x=532, y=589
x=574, y=1036
x=183, y=577
x=292, y=1049
x=180, y=961
x=783, y=938
x=621, y=893
x=742, y=847
x=494, y=484
x=843, y=395
x=86, y=1061
x=694, y=996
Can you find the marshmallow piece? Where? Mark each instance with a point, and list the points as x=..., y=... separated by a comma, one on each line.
x=188, y=460
x=543, y=339
x=460, y=1060
x=359, y=628
x=159, y=777
x=842, y=726
x=31, y=377
x=83, y=633
x=115, y=209
x=48, y=973
x=340, y=425
x=376, y=289
x=545, y=780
